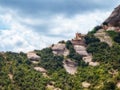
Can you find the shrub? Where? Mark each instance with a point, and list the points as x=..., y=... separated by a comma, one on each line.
x=112, y=34
x=117, y=38
x=91, y=39
x=95, y=29
x=97, y=47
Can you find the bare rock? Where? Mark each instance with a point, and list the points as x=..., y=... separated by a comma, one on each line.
x=101, y=34
x=118, y=85
x=10, y=76
x=35, y=62
x=86, y=84
x=94, y=64
x=70, y=66
x=111, y=28
x=114, y=18
x=52, y=87
x=40, y=69
x=60, y=49
x=33, y=56
x=59, y=46
x=81, y=50
x=88, y=59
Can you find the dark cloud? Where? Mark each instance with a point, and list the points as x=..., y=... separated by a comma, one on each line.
x=46, y=7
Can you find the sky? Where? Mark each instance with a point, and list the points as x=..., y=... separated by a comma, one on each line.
x=26, y=25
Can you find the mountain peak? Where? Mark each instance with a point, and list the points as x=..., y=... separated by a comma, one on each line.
x=114, y=18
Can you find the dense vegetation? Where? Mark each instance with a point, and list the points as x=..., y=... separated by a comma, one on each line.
x=90, y=38
x=109, y=57
x=50, y=61
x=24, y=76
x=114, y=35
x=17, y=72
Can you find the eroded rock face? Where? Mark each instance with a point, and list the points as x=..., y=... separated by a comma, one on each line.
x=70, y=66
x=88, y=59
x=114, y=18
x=81, y=50
x=101, y=34
x=33, y=56
x=60, y=49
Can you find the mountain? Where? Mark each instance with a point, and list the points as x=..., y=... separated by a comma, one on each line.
x=86, y=62
x=114, y=18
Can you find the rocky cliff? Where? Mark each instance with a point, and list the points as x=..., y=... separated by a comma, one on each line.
x=114, y=18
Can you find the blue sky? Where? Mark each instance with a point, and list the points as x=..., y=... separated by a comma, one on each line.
x=34, y=24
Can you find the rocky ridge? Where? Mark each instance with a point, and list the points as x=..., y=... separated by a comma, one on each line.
x=114, y=18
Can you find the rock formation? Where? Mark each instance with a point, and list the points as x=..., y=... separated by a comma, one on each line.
x=81, y=50
x=60, y=49
x=104, y=37
x=114, y=18
x=33, y=56
x=78, y=40
x=70, y=66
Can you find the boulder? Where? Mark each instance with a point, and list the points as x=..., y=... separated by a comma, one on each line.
x=60, y=49
x=81, y=50
x=40, y=69
x=118, y=85
x=70, y=66
x=33, y=56
x=94, y=64
x=86, y=84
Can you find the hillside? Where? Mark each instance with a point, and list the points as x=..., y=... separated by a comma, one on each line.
x=86, y=62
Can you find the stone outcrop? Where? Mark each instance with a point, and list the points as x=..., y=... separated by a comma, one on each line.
x=40, y=69
x=10, y=76
x=88, y=59
x=86, y=84
x=81, y=50
x=79, y=44
x=33, y=56
x=52, y=87
x=70, y=66
x=78, y=40
x=118, y=85
x=114, y=18
x=104, y=37
x=94, y=64
x=60, y=49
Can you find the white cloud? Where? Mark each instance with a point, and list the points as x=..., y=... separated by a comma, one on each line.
x=79, y=23
x=20, y=37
